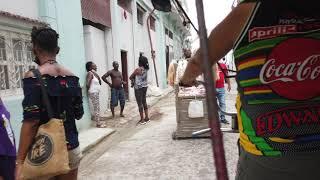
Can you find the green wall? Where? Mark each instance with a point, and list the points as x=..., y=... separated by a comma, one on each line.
x=65, y=16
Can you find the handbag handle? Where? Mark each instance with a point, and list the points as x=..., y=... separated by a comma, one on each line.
x=45, y=96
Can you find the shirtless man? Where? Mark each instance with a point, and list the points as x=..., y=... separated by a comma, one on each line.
x=116, y=85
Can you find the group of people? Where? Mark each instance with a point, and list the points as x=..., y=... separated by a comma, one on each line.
x=65, y=97
x=139, y=81
x=277, y=58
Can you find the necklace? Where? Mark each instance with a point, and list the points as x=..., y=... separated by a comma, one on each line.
x=50, y=61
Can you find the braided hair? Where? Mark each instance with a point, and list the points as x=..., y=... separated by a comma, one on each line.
x=45, y=38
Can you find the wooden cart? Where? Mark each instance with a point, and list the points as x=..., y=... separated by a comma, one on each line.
x=185, y=125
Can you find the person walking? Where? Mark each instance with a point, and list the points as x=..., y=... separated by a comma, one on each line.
x=276, y=50
x=65, y=96
x=93, y=83
x=117, y=90
x=139, y=80
x=7, y=145
x=222, y=70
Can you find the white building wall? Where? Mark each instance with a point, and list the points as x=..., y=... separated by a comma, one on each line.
x=25, y=8
x=142, y=42
x=122, y=38
x=95, y=51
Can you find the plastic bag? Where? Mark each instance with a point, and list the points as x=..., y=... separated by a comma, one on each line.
x=195, y=109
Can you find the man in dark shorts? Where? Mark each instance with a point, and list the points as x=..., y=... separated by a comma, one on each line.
x=116, y=85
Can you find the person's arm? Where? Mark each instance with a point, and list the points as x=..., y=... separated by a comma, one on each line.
x=77, y=104
x=89, y=79
x=135, y=72
x=32, y=108
x=225, y=69
x=220, y=42
x=104, y=78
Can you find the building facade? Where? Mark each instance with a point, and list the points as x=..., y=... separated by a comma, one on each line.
x=122, y=34
x=101, y=31
x=17, y=18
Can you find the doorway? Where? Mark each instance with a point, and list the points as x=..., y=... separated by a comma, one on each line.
x=124, y=70
x=167, y=58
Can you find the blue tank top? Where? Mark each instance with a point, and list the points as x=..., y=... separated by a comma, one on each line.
x=141, y=81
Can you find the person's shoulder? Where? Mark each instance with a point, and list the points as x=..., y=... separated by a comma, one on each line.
x=65, y=71
x=28, y=74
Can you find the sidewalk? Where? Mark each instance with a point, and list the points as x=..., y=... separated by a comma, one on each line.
x=91, y=137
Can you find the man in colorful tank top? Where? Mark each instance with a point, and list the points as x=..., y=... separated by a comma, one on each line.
x=277, y=54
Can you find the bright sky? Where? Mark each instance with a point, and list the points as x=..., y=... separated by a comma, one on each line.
x=215, y=11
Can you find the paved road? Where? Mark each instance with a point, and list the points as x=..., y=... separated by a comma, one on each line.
x=148, y=151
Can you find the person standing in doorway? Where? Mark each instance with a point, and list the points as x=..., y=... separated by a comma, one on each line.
x=93, y=83
x=117, y=90
x=220, y=88
x=7, y=146
x=140, y=79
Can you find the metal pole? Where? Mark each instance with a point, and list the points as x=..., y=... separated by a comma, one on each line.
x=214, y=124
x=153, y=56
x=186, y=15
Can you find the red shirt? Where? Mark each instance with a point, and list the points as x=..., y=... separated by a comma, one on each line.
x=220, y=82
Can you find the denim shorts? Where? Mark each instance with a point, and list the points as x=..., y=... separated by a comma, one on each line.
x=116, y=96
x=7, y=167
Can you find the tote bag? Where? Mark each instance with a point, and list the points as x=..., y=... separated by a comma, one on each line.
x=48, y=154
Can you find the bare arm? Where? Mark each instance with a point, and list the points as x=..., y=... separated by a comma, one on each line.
x=89, y=79
x=221, y=40
x=135, y=72
x=104, y=78
x=28, y=132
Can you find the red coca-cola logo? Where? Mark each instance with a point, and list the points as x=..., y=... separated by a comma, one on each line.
x=292, y=69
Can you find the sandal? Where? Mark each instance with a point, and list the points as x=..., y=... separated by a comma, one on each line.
x=142, y=122
x=146, y=120
x=101, y=125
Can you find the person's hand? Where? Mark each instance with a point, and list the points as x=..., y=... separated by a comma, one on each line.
x=18, y=171
x=110, y=85
x=229, y=87
x=124, y=83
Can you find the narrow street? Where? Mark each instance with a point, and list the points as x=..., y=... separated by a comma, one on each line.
x=149, y=152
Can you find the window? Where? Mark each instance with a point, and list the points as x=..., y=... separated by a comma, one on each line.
x=125, y=4
x=140, y=14
x=152, y=23
x=170, y=35
x=16, y=58
x=167, y=31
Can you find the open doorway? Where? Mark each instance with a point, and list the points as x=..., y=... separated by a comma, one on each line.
x=167, y=58
x=124, y=70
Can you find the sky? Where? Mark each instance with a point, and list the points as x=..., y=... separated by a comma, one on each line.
x=215, y=11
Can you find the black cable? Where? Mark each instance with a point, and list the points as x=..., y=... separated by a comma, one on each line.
x=184, y=12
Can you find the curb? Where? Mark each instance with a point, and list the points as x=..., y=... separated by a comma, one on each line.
x=87, y=148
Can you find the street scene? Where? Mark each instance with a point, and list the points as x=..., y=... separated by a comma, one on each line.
x=150, y=152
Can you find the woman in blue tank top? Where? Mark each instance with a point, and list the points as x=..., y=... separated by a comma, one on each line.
x=140, y=79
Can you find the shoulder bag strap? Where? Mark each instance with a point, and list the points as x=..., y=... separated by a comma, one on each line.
x=44, y=93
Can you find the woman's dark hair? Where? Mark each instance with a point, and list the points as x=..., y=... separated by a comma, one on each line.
x=143, y=62
x=45, y=38
x=89, y=66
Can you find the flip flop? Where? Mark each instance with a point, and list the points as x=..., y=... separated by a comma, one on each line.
x=101, y=126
